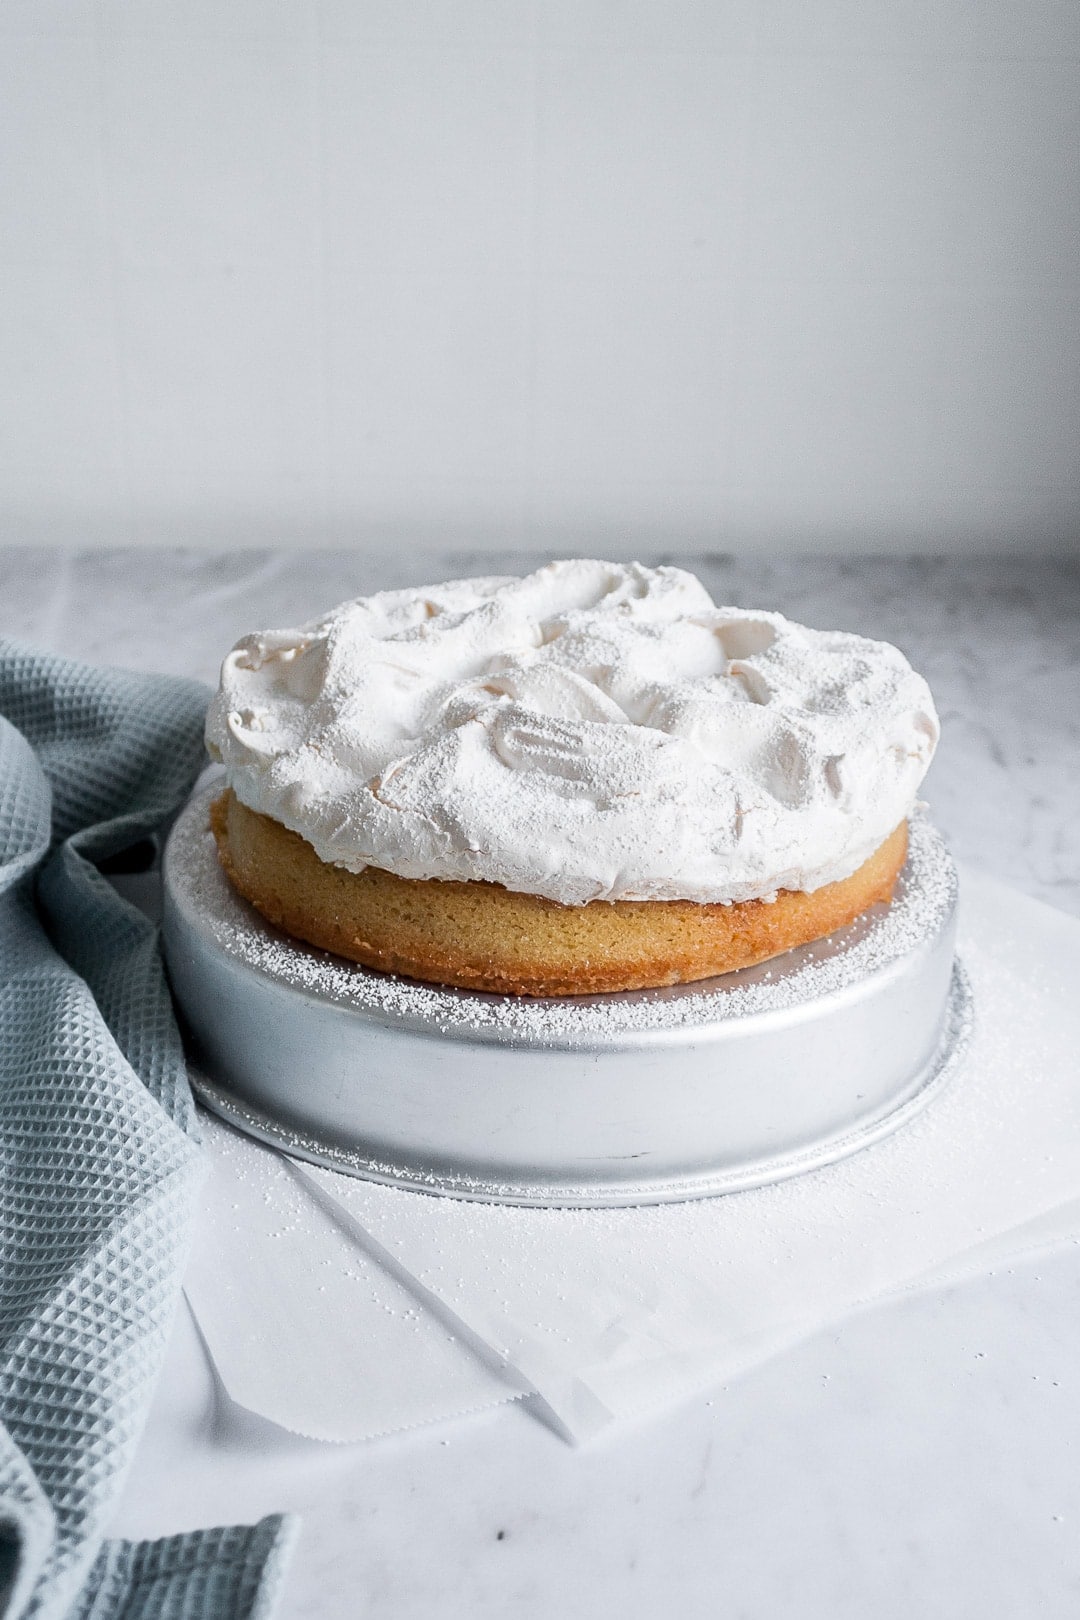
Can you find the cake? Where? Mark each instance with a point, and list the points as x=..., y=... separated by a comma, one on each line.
x=585, y=780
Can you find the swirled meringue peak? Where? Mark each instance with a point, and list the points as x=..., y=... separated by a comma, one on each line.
x=592, y=731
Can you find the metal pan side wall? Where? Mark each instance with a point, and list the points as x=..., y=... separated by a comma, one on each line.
x=585, y=1121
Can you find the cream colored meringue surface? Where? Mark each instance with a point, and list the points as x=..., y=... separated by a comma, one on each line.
x=593, y=730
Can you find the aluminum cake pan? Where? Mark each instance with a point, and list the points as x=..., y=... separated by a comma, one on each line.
x=617, y=1099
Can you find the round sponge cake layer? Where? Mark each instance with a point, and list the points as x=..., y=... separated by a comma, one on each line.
x=479, y=936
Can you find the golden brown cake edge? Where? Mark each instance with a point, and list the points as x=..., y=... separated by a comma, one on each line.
x=480, y=936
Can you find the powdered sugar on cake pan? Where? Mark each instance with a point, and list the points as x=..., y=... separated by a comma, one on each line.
x=925, y=895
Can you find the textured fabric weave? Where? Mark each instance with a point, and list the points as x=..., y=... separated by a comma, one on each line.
x=99, y=1164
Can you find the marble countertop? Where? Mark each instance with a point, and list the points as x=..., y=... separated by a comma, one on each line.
x=919, y=1459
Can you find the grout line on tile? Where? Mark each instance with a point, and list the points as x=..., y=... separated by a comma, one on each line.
x=117, y=349
x=321, y=280
x=536, y=135
x=106, y=215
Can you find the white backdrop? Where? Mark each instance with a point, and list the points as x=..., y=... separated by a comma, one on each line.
x=711, y=273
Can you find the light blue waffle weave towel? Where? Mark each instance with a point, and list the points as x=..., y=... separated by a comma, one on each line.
x=99, y=1161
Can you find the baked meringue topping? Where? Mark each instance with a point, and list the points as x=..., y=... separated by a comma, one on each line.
x=592, y=731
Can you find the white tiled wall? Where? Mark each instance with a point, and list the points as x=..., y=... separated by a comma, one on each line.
x=714, y=273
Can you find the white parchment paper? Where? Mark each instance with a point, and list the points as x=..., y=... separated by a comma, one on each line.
x=304, y=1326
